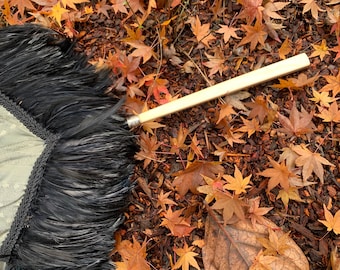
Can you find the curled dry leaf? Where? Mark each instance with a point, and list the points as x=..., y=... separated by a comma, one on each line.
x=236, y=246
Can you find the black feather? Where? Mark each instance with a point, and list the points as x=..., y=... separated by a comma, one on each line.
x=77, y=203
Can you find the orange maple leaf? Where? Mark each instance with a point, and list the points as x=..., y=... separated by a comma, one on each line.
x=133, y=255
x=186, y=258
x=142, y=50
x=22, y=5
x=163, y=200
x=192, y=176
x=285, y=48
x=260, y=109
x=195, y=147
x=158, y=88
x=320, y=50
x=313, y=7
x=202, y=31
x=120, y=6
x=178, y=225
x=178, y=142
x=254, y=35
x=332, y=222
x=250, y=126
x=333, y=84
x=225, y=110
x=332, y=114
x=279, y=174
x=251, y=10
x=148, y=147
x=213, y=187
x=310, y=162
x=228, y=31
x=215, y=63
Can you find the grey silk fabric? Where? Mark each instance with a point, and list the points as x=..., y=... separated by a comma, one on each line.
x=20, y=149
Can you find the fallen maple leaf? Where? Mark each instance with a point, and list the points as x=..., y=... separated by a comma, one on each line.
x=201, y=31
x=237, y=183
x=263, y=262
x=142, y=50
x=192, y=176
x=22, y=5
x=320, y=50
x=186, y=258
x=251, y=10
x=260, y=109
x=331, y=114
x=275, y=244
x=279, y=174
x=102, y=7
x=271, y=8
x=58, y=12
x=230, y=206
x=163, y=200
x=213, y=187
x=195, y=147
x=148, y=147
x=333, y=84
x=285, y=48
x=72, y=3
x=312, y=6
x=332, y=222
x=250, y=126
x=291, y=194
x=322, y=98
x=120, y=6
x=178, y=225
x=133, y=255
x=215, y=63
x=298, y=123
x=256, y=213
x=178, y=142
x=310, y=162
x=228, y=32
x=254, y=35
x=228, y=132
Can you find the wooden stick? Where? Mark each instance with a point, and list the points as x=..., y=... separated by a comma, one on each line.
x=252, y=78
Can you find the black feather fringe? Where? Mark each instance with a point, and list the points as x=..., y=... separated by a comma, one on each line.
x=79, y=200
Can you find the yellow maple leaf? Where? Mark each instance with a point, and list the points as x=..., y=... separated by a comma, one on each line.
x=291, y=194
x=71, y=3
x=332, y=222
x=237, y=183
x=274, y=245
x=322, y=98
x=320, y=50
x=186, y=257
x=58, y=12
x=333, y=84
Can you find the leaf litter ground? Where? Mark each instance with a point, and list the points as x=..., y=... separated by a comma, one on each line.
x=258, y=146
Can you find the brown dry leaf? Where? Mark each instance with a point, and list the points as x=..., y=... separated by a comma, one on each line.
x=254, y=35
x=313, y=7
x=333, y=84
x=178, y=225
x=195, y=147
x=228, y=31
x=310, y=162
x=142, y=50
x=228, y=132
x=231, y=207
x=178, y=142
x=148, y=147
x=22, y=5
x=298, y=123
x=335, y=259
x=186, y=258
x=235, y=246
x=201, y=31
x=133, y=255
x=191, y=177
x=260, y=109
x=279, y=174
x=119, y=6
x=271, y=8
x=103, y=8
x=235, y=100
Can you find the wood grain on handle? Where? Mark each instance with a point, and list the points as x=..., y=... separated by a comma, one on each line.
x=252, y=78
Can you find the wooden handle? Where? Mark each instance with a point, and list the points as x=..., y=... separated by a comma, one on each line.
x=252, y=78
